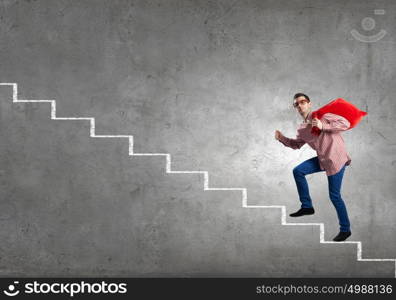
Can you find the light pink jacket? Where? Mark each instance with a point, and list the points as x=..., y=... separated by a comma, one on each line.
x=329, y=145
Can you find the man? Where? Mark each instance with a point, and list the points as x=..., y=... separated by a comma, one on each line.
x=331, y=157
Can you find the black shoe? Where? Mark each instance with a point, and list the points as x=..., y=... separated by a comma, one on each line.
x=303, y=211
x=342, y=236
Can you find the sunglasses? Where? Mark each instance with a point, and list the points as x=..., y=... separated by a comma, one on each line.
x=297, y=103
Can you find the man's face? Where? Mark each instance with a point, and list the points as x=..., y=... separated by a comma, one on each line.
x=303, y=105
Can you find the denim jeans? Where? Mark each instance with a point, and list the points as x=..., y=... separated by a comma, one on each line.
x=312, y=166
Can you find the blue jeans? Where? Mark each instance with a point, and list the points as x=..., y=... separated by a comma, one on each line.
x=312, y=166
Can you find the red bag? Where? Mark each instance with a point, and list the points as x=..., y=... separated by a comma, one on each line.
x=342, y=108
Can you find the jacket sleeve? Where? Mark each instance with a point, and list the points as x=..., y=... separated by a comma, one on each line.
x=334, y=123
x=296, y=143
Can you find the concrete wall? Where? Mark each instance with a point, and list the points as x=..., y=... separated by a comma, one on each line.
x=208, y=82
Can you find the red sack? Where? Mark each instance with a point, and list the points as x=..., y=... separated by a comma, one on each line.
x=342, y=108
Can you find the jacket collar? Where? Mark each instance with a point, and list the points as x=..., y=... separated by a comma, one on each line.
x=308, y=118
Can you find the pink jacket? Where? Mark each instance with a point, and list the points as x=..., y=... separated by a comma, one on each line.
x=329, y=145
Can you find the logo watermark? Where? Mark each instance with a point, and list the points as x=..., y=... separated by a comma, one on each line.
x=368, y=24
x=71, y=289
x=11, y=291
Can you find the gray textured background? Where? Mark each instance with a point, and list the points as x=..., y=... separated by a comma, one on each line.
x=208, y=82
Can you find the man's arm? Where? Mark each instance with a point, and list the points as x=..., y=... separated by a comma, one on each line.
x=291, y=143
x=334, y=123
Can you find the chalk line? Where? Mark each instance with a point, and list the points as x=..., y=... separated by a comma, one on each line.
x=205, y=173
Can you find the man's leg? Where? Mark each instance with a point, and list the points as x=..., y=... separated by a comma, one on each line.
x=307, y=167
x=335, y=182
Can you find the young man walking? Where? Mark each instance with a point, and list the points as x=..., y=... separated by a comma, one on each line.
x=331, y=157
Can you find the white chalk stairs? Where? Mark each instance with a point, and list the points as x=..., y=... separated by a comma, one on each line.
x=205, y=174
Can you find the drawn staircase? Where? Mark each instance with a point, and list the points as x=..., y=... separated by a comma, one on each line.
x=205, y=174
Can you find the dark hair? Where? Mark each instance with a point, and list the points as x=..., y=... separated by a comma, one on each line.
x=301, y=95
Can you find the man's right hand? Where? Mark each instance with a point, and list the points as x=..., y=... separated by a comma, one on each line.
x=278, y=135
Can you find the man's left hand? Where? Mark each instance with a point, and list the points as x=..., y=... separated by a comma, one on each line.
x=316, y=122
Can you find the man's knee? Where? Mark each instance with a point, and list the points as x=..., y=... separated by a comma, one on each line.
x=297, y=172
x=335, y=197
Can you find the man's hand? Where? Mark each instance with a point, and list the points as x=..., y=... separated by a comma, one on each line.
x=318, y=123
x=278, y=134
